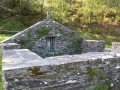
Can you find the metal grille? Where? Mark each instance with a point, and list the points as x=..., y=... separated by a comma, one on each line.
x=50, y=41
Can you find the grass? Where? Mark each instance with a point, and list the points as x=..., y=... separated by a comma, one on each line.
x=107, y=38
x=4, y=36
x=101, y=87
x=11, y=25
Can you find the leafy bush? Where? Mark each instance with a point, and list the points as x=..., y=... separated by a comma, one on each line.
x=11, y=25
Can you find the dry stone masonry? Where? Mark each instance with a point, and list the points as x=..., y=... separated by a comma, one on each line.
x=93, y=46
x=67, y=72
x=48, y=38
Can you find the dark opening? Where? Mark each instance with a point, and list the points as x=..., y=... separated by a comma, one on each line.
x=50, y=42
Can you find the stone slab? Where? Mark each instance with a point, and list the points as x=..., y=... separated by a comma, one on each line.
x=21, y=58
x=10, y=46
x=61, y=72
x=57, y=60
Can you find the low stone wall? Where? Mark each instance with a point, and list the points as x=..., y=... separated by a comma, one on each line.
x=93, y=46
x=116, y=46
x=80, y=75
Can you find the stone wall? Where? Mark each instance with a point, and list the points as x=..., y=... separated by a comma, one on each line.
x=34, y=38
x=80, y=75
x=93, y=46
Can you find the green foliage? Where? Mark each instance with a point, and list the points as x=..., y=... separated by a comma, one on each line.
x=92, y=72
x=83, y=14
x=11, y=25
x=0, y=70
x=25, y=6
x=78, y=11
x=76, y=44
x=42, y=31
x=101, y=87
x=26, y=40
x=22, y=41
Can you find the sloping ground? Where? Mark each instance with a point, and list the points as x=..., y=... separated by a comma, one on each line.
x=24, y=70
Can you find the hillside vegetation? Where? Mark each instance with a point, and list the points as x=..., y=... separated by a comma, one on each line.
x=93, y=19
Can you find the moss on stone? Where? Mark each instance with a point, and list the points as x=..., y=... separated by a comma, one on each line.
x=22, y=41
x=36, y=71
x=103, y=75
x=26, y=40
x=30, y=46
x=77, y=45
x=59, y=53
x=61, y=31
x=29, y=36
x=92, y=72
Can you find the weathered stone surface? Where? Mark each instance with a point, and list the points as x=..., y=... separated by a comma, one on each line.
x=65, y=72
x=10, y=46
x=116, y=46
x=93, y=46
x=20, y=58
